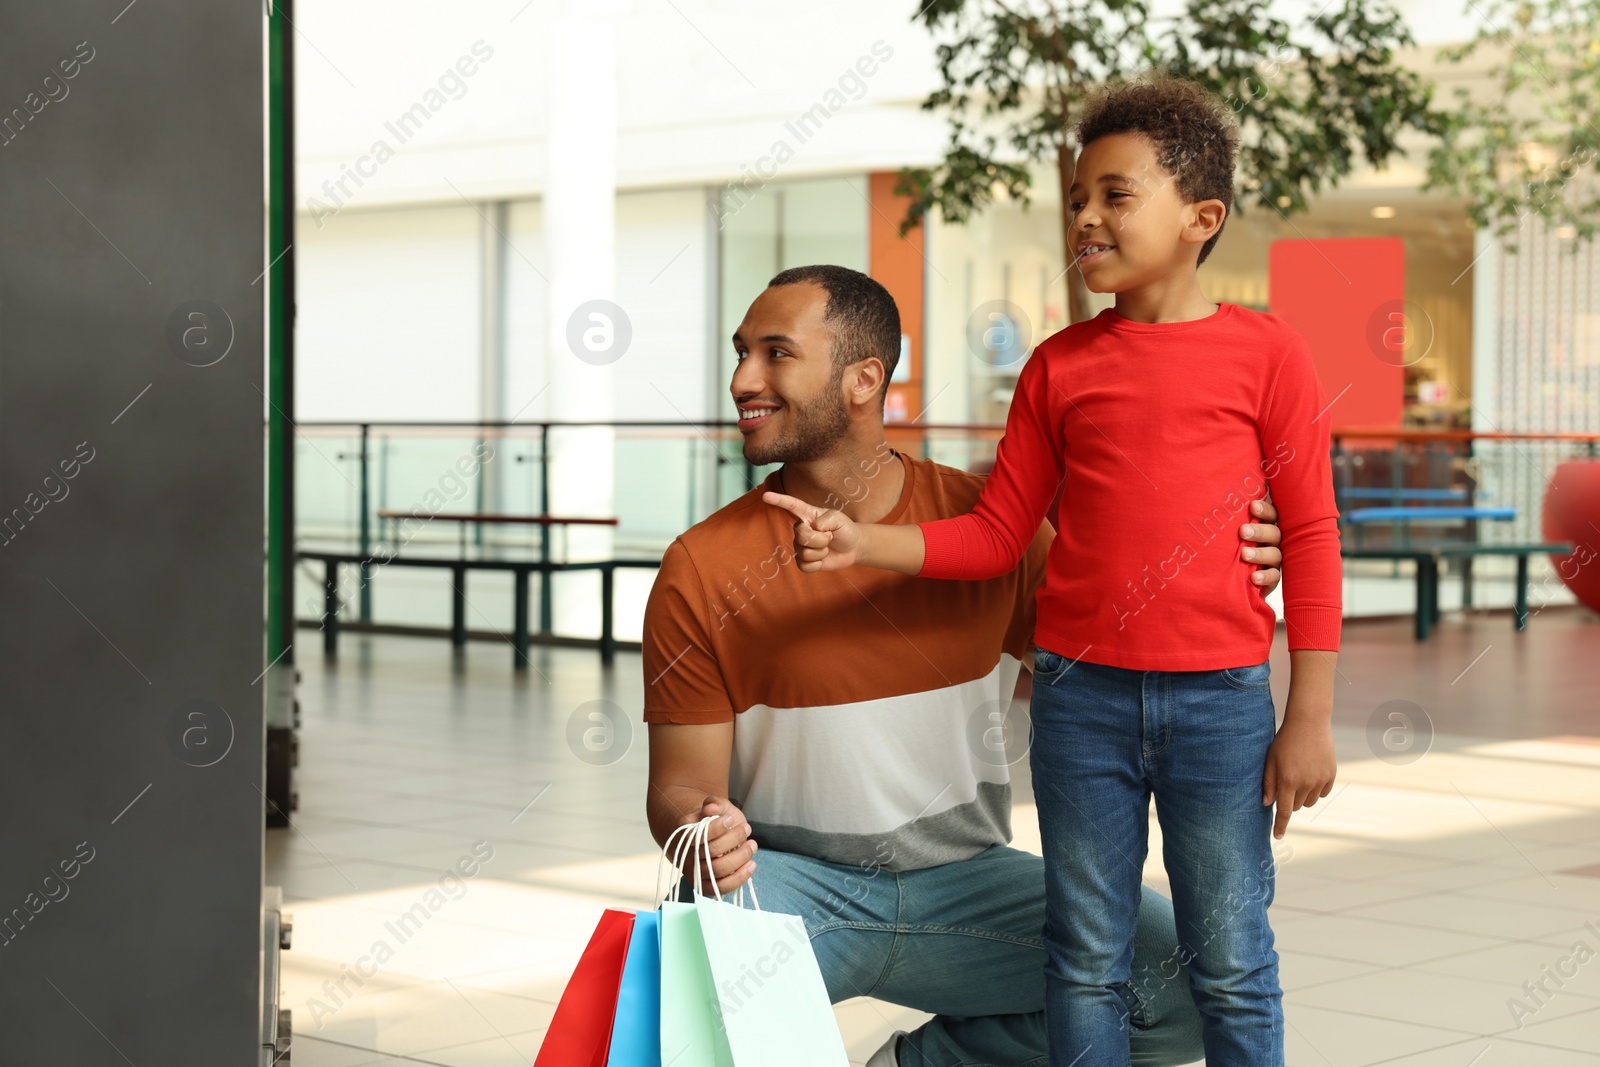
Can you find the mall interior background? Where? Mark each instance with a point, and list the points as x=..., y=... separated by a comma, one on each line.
x=426, y=272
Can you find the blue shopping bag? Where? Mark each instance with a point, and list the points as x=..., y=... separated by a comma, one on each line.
x=636, y=1031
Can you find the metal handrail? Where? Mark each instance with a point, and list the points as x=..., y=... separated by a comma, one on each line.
x=1355, y=432
x=619, y=424
x=1463, y=435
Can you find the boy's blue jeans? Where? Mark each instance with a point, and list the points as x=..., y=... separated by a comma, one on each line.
x=963, y=941
x=1105, y=740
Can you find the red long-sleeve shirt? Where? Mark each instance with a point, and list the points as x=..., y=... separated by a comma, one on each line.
x=1164, y=433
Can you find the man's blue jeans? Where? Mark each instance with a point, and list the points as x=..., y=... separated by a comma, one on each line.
x=1105, y=740
x=962, y=941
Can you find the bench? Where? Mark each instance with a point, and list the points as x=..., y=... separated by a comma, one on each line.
x=519, y=569
x=1404, y=516
x=1428, y=558
x=1413, y=514
x=1369, y=492
x=397, y=517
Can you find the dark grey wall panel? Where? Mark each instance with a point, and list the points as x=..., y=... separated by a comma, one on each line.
x=131, y=186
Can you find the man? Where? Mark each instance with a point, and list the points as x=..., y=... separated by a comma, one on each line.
x=853, y=760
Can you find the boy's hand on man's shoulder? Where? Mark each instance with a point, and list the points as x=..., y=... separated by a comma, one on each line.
x=1261, y=538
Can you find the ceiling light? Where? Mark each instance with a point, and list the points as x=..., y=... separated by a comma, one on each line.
x=1566, y=233
x=1383, y=211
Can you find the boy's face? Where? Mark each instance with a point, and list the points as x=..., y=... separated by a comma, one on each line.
x=1130, y=226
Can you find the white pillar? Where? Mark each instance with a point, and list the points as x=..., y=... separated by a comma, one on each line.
x=587, y=333
x=1486, y=316
x=492, y=354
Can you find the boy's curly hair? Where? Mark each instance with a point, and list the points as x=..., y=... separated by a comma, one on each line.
x=1195, y=136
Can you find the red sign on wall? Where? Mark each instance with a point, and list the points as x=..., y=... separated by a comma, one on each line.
x=1346, y=296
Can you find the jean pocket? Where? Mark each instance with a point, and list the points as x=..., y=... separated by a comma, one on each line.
x=1049, y=666
x=1257, y=677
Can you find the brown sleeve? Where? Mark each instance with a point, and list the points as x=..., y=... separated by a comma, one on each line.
x=682, y=678
x=1030, y=574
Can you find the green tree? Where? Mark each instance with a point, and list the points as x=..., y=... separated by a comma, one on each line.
x=1312, y=100
x=1525, y=144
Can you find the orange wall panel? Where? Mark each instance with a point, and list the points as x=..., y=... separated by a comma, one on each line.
x=1346, y=296
x=897, y=263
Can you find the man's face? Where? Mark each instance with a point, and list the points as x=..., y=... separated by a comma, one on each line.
x=1128, y=218
x=788, y=391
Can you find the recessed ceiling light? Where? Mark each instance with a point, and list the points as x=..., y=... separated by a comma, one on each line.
x=1566, y=233
x=1383, y=211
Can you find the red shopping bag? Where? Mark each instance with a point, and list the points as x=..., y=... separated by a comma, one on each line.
x=580, y=1033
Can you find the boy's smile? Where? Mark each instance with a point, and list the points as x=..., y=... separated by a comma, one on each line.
x=1093, y=251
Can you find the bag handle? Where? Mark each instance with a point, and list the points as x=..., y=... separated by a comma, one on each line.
x=694, y=840
x=704, y=838
x=675, y=852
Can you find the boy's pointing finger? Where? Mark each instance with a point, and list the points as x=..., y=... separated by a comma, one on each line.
x=798, y=508
x=821, y=520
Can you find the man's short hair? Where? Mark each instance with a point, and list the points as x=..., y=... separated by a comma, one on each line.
x=862, y=314
x=1196, y=137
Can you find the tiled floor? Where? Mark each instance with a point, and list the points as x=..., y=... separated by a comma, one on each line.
x=1413, y=905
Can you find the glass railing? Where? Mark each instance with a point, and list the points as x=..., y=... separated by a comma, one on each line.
x=366, y=487
x=665, y=476
x=353, y=479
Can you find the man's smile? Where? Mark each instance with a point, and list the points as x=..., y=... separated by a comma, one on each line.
x=753, y=416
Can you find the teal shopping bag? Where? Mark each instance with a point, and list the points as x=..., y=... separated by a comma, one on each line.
x=636, y=1031
x=739, y=987
x=775, y=1007
x=691, y=1020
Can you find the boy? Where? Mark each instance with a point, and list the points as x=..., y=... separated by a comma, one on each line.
x=1151, y=672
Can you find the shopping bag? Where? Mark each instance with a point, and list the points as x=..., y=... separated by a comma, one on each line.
x=691, y=1020
x=775, y=1007
x=580, y=1033
x=636, y=1033
x=740, y=987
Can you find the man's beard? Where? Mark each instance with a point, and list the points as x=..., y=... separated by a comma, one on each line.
x=811, y=431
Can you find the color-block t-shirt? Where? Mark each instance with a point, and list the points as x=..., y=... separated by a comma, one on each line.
x=864, y=701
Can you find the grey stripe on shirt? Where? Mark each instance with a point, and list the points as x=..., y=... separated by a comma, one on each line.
x=948, y=836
